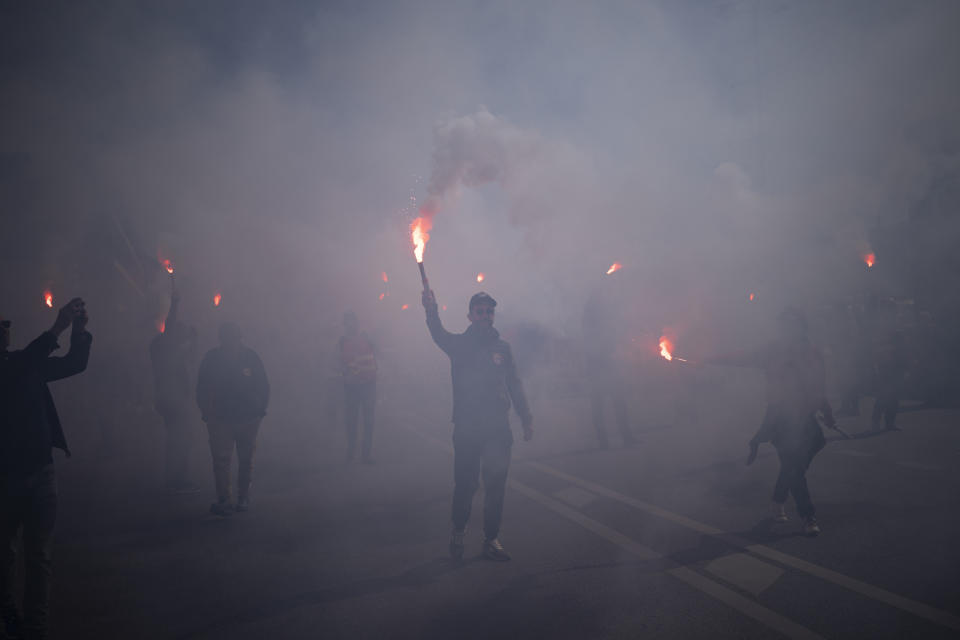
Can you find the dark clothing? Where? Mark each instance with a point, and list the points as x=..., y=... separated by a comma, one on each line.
x=232, y=386
x=179, y=428
x=358, y=359
x=484, y=375
x=473, y=456
x=359, y=398
x=891, y=365
x=485, y=383
x=27, y=501
x=793, y=480
x=30, y=427
x=224, y=436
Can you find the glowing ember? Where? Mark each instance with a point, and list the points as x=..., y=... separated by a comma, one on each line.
x=481, y=277
x=382, y=296
x=167, y=265
x=48, y=299
x=404, y=307
x=751, y=297
x=616, y=266
x=161, y=325
x=383, y=275
x=665, y=348
x=419, y=229
x=216, y=299
x=869, y=259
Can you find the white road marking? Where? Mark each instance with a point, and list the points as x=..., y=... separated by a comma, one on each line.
x=744, y=605
x=575, y=496
x=918, y=609
x=746, y=571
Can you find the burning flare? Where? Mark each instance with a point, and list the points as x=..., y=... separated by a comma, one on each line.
x=383, y=275
x=382, y=296
x=161, y=325
x=168, y=266
x=404, y=307
x=48, y=299
x=216, y=299
x=869, y=259
x=665, y=348
x=751, y=297
x=481, y=277
x=419, y=229
x=616, y=266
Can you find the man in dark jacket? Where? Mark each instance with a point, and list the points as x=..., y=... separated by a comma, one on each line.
x=172, y=355
x=485, y=381
x=29, y=431
x=232, y=393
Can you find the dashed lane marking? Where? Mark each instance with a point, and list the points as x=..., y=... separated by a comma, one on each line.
x=918, y=609
x=746, y=571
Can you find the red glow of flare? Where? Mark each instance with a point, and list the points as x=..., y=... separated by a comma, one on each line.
x=161, y=325
x=383, y=275
x=869, y=259
x=751, y=297
x=616, y=266
x=48, y=299
x=419, y=229
x=168, y=266
x=404, y=307
x=382, y=296
x=481, y=277
x=216, y=299
x=666, y=347
x=444, y=307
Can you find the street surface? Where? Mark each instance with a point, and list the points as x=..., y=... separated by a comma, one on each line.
x=666, y=540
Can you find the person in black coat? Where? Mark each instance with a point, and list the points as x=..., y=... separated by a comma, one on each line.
x=232, y=393
x=485, y=384
x=29, y=431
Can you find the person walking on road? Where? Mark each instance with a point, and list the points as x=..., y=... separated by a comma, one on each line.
x=358, y=367
x=172, y=355
x=232, y=393
x=29, y=431
x=795, y=382
x=485, y=384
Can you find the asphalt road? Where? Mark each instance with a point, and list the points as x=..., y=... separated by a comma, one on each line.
x=668, y=539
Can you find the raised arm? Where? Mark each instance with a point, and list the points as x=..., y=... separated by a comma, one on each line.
x=75, y=313
x=444, y=339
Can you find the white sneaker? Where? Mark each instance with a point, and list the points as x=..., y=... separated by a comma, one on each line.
x=779, y=513
x=810, y=527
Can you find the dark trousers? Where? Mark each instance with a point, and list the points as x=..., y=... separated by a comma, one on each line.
x=597, y=396
x=887, y=406
x=793, y=480
x=224, y=436
x=474, y=455
x=179, y=437
x=28, y=502
x=357, y=398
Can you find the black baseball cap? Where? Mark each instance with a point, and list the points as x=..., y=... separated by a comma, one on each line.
x=482, y=298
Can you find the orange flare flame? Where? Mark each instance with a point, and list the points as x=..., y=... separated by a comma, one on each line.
x=665, y=348
x=616, y=266
x=404, y=307
x=48, y=299
x=751, y=297
x=161, y=325
x=419, y=229
x=869, y=259
x=216, y=299
x=383, y=275
x=481, y=277
x=382, y=296
x=167, y=265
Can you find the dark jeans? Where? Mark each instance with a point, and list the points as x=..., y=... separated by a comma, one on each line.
x=359, y=397
x=29, y=502
x=793, y=480
x=618, y=395
x=476, y=454
x=179, y=437
x=223, y=437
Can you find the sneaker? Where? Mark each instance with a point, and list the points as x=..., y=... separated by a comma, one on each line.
x=456, y=543
x=810, y=527
x=493, y=550
x=221, y=508
x=243, y=504
x=779, y=513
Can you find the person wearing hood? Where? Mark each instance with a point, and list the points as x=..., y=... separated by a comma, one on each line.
x=485, y=385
